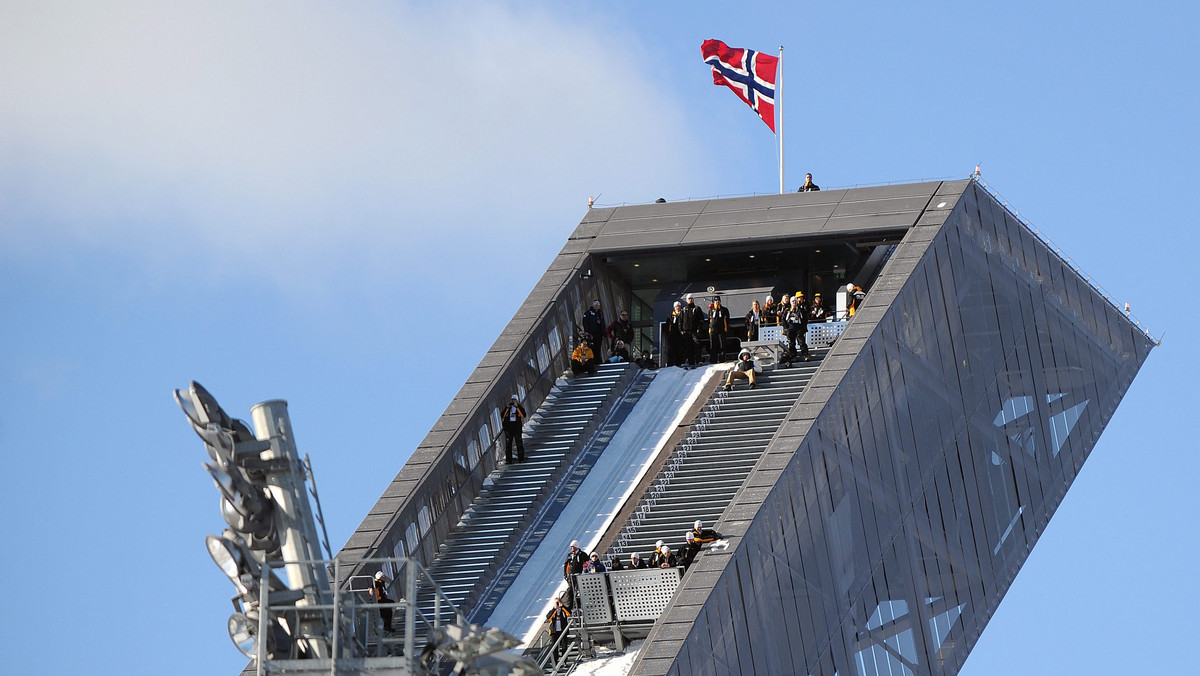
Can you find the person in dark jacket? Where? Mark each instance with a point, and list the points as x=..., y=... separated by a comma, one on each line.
x=689, y=550
x=691, y=324
x=379, y=595
x=797, y=329
x=636, y=562
x=677, y=343
x=718, y=329
x=621, y=330
x=809, y=186
x=558, y=620
x=656, y=555
x=512, y=419
x=646, y=361
x=770, y=313
x=704, y=535
x=668, y=558
x=754, y=319
x=817, y=313
x=595, y=565
x=572, y=567
x=593, y=326
x=620, y=352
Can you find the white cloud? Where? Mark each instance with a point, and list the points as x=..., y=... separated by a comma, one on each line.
x=151, y=126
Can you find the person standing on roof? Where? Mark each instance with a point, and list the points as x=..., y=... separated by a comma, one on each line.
x=512, y=420
x=593, y=326
x=718, y=328
x=809, y=186
x=379, y=595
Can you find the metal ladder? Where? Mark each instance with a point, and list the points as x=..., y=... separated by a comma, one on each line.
x=468, y=558
x=708, y=467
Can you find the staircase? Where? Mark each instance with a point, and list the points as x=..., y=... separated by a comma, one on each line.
x=708, y=467
x=489, y=529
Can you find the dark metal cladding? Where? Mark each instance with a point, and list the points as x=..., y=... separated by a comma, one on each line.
x=914, y=476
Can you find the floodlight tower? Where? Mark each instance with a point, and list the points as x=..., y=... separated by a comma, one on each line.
x=262, y=484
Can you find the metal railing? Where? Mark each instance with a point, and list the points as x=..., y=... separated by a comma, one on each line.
x=348, y=628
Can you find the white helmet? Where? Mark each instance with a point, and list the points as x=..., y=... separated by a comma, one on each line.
x=379, y=575
x=850, y=287
x=658, y=545
x=745, y=351
x=698, y=524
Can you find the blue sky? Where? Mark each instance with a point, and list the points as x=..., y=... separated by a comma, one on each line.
x=342, y=205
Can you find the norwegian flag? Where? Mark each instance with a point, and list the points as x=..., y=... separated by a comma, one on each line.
x=750, y=74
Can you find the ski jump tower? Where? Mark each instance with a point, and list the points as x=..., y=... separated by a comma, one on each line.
x=905, y=487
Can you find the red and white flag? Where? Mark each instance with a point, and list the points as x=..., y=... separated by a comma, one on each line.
x=750, y=74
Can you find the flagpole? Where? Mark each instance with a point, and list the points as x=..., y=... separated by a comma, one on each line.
x=779, y=115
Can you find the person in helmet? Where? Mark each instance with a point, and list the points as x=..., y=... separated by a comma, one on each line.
x=704, y=535
x=379, y=595
x=745, y=368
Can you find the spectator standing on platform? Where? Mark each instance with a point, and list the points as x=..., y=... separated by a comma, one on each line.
x=797, y=329
x=379, y=594
x=512, y=419
x=745, y=368
x=809, y=186
x=753, y=320
x=704, y=535
x=676, y=340
x=784, y=305
x=593, y=325
x=572, y=567
x=817, y=314
x=854, y=298
x=770, y=313
x=583, y=360
x=559, y=619
x=718, y=329
x=689, y=550
x=620, y=331
x=691, y=325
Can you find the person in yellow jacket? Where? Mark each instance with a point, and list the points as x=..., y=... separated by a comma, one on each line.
x=558, y=620
x=583, y=359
